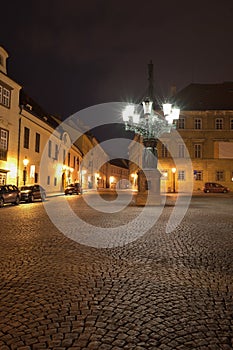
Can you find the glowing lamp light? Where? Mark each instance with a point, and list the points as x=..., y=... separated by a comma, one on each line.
x=174, y=170
x=147, y=107
x=175, y=113
x=136, y=118
x=128, y=112
x=111, y=179
x=25, y=161
x=167, y=107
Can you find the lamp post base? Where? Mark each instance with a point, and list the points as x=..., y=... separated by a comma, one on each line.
x=148, y=187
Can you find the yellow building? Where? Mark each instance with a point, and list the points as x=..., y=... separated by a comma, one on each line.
x=9, y=124
x=206, y=128
x=35, y=148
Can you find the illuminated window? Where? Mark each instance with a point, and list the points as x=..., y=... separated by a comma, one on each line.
x=219, y=124
x=164, y=174
x=198, y=175
x=2, y=178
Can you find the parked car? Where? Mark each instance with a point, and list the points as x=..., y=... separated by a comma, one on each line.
x=73, y=189
x=215, y=187
x=9, y=194
x=32, y=193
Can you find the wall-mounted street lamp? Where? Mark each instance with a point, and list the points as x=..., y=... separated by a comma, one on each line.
x=25, y=163
x=174, y=180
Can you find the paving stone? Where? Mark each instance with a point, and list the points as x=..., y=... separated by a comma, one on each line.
x=163, y=291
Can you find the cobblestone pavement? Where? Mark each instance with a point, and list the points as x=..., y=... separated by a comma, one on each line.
x=163, y=291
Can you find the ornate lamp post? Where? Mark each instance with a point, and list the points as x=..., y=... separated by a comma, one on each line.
x=174, y=179
x=150, y=125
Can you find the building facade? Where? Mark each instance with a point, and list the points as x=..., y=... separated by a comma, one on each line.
x=34, y=148
x=206, y=128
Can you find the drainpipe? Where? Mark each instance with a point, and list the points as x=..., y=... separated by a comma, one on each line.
x=18, y=151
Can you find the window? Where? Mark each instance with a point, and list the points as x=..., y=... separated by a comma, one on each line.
x=164, y=174
x=2, y=178
x=37, y=145
x=4, y=135
x=36, y=177
x=26, y=138
x=56, y=152
x=55, y=181
x=181, y=151
x=198, y=175
x=181, y=175
x=64, y=156
x=48, y=180
x=164, y=151
x=197, y=151
x=74, y=162
x=5, y=96
x=220, y=175
x=69, y=159
x=180, y=123
x=231, y=124
x=50, y=149
x=197, y=123
x=32, y=171
x=219, y=124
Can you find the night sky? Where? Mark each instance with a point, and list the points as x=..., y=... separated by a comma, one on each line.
x=69, y=55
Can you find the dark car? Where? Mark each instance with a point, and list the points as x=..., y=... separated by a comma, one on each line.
x=215, y=188
x=73, y=189
x=9, y=194
x=32, y=193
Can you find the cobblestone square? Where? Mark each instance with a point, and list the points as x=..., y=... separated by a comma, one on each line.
x=162, y=291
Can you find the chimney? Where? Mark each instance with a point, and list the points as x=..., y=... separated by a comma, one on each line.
x=3, y=57
x=172, y=91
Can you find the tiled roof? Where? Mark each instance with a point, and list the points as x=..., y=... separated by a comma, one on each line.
x=206, y=97
x=29, y=104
